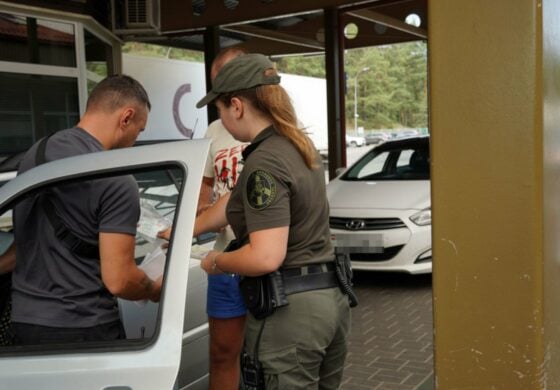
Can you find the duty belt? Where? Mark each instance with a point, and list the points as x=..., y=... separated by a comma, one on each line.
x=309, y=277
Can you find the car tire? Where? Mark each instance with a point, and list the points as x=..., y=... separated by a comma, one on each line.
x=353, y=144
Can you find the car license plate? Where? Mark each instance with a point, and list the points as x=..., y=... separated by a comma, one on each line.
x=358, y=243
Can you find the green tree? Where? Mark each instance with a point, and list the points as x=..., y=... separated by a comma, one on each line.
x=393, y=92
x=313, y=66
x=149, y=50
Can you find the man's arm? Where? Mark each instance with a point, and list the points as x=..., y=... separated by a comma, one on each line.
x=8, y=259
x=119, y=271
x=213, y=219
x=206, y=194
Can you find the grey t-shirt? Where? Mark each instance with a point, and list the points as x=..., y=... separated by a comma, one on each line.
x=52, y=286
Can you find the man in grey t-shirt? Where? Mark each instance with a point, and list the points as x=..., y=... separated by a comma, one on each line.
x=61, y=294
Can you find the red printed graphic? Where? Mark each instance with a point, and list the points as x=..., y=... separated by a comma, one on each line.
x=226, y=166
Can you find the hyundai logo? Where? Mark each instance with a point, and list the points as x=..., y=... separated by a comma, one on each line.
x=355, y=224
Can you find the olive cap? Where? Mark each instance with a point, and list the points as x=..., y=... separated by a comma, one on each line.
x=243, y=72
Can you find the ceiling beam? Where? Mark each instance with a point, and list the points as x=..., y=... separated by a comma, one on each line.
x=274, y=35
x=177, y=15
x=388, y=21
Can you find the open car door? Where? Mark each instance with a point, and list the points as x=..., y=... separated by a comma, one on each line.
x=169, y=177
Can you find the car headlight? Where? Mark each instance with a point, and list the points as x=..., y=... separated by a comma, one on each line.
x=423, y=217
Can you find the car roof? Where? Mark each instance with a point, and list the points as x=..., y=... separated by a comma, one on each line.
x=417, y=140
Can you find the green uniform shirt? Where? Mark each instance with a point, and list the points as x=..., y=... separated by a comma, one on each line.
x=277, y=189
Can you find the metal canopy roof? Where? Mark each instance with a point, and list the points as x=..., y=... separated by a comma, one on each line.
x=284, y=27
x=272, y=27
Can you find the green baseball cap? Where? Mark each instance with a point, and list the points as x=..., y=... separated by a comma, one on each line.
x=243, y=72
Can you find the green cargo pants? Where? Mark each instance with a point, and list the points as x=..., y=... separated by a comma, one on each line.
x=303, y=345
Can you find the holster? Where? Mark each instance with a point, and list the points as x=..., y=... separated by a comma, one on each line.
x=344, y=275
x=263, y=294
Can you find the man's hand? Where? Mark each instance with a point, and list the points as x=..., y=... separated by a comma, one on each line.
x=156, y=289
x=165, y=234
x=8, y=259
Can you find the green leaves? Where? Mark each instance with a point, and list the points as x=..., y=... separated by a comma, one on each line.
x=393, y=93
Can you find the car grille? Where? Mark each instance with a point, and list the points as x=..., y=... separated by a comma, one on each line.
x=368, y=223
x=388, y=254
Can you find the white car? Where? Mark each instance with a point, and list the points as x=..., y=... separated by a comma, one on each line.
x=352, y=140
x=380, y=211
x=166, y=345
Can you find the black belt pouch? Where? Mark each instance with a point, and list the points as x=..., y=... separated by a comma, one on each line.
x=258, y=296
x=262, y=294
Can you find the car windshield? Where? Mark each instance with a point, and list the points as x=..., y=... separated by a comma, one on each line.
x=393, y=161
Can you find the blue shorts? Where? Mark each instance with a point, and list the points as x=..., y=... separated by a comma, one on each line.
x=224, y=298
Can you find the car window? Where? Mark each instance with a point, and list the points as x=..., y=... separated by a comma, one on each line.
x=372, y=166
x=159, y=193
x=398, y=162
x=404, y=158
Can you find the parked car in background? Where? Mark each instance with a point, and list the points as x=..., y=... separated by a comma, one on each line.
x=405, y=133
x=380, y=210
x=376, y=138
x=353, y=141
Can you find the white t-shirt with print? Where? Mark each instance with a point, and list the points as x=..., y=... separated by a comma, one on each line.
x=223, y=166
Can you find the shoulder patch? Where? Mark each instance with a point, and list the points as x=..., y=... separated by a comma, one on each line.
x=261, y=189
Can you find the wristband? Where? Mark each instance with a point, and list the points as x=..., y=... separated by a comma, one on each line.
x=214, y=265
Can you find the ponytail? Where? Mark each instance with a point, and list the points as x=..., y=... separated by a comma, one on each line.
x=274, y=100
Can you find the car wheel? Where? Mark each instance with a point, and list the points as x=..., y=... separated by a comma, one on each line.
x=353, y=144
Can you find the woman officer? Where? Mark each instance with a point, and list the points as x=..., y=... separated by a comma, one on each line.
x=279, y=214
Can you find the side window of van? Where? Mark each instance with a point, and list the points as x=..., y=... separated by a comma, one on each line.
x=159, y=192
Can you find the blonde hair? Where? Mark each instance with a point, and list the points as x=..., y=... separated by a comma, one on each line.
x=273, y=100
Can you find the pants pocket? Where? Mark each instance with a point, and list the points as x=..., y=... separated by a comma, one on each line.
x=284, y=369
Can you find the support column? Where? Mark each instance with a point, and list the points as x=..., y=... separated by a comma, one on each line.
x=334, y=63
x=211, y=48
x=495, y=101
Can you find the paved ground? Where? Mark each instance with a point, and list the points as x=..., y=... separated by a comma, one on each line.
x=391, y=341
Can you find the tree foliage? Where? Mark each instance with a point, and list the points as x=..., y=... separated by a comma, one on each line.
x=391, y=93
x=313, y=66
x=149, y=50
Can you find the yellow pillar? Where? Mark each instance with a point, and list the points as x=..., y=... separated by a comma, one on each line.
x=495, y=126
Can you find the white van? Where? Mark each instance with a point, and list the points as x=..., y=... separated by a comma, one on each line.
x=167, y=343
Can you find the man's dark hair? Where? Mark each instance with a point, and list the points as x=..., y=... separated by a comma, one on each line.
x=115, y=91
